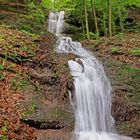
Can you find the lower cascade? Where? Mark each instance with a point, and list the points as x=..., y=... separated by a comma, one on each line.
x=92, y=90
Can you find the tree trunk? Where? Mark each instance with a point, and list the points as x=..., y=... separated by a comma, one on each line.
x=104, y=4
x=114, y=27
x=95, y=19
x=104, y=24
x=86, y=19
x=83, y=27
x=120, y=17
x=110, y=17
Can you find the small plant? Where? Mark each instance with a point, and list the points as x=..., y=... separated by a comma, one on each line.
x=127, y=70
x=126, y=99
x=1, y=67
x=1, y=77
x=33, y=107
x=124, y=126
x=120, y=35
x=3, y=137
x=3, y=130
x=69, y=77
x=29, y=33
x=11, y=37
x=134, y=40
x=14, y=83
x=11, y=66
x=115, y=50
x=55, y=75
x=135, y=52
x=27, y=49
x=17, y=83
x=94, y=36
x=95, y=42
x=1, y=39
x=29, y=110
x=23, y=84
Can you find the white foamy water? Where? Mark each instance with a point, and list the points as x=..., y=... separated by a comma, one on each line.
x=92, y=92
x=55, y=22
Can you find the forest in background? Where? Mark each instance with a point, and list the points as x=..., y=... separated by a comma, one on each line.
x=97, y=17
x=94, y=18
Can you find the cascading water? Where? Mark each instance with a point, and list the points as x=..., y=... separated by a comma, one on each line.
x=92, y=101
x=55, y=24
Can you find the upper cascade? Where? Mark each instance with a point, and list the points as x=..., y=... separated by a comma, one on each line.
x=55, y=22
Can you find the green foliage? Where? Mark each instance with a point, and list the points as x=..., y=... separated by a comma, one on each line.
x=31, y=18
x=59, y=113
x=1, y=67
x=126, y=70
x=135, y=52
x=124, y=126
x=126, y=99
x=1, y=77
x=47, y=4
x=1, y=74
x=115, y=50
x=57, y=5
x=27, y=49
x=132, y=3
x=3, y=137
x=132, y=77
x=120, y=35
x=19, y=84
x=15, y=57
x=93, y=35
x=29, y=110
x=3, y=129
x=36, y=13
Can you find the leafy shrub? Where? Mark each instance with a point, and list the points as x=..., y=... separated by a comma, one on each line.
x=1, y=67
x=17, y=83
x=135, y=52
x=115, y=50
x=1, y=76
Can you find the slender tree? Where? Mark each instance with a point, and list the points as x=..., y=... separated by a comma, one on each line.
x=110, y=17
x=120, y=15
x=104, y=25
x=86, y=19
x=113, y=26
x=104, y=13
x=95, y=18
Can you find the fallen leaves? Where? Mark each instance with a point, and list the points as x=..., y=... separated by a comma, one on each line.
x=126, y=46
x=10, y=125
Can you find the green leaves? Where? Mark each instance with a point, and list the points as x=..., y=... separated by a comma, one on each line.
x=75, y=11
x=135, y=52
x=47, y=4
x=1, y=67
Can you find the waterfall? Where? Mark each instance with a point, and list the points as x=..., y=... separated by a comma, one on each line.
x=92, y=89
x=55, y=23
